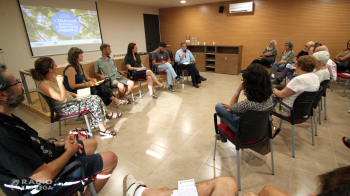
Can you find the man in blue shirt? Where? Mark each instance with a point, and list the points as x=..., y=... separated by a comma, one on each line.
x=184, y=56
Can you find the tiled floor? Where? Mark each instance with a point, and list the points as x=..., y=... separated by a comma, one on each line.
x=178, y=127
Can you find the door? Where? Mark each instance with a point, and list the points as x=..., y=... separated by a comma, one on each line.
x=152, y=34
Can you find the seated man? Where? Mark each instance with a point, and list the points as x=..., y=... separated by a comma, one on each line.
x=331, y=65
x=290, y=68
x=161, y=59
x=105, y=67
x=185, y=56
x=268, y=56
x=28, y=159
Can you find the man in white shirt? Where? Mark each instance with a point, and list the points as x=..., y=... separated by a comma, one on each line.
x=185, y=56
x=322, y=72
x=332, y=67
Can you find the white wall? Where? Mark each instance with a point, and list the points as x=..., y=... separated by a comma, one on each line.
x=120, y=25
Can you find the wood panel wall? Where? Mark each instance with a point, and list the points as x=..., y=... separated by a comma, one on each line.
x=299, y=21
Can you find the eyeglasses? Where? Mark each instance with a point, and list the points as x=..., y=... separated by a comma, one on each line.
x=18, y=81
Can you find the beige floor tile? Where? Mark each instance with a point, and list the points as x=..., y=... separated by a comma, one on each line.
x=207, y=131
x=342, y=162
x=147, y=131
x=170, y=139
x=197, y=148
x=226, y=159
x=149, y=157
x=177, y=167
x=207, y=173
x=313, y=162
x=187, y=125
x=166, y=120
x=322, y=145
x=340, y=150
x=125, y=144
x=114, y=185
x=259, y=172
x=303, y=183
x=154, y=183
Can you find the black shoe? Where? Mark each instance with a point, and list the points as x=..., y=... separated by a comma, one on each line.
x=195, y=85
x=275, y=81
x=202, y=78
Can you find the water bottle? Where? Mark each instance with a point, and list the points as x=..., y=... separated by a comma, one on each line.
x=195, y=41
x=192, y=42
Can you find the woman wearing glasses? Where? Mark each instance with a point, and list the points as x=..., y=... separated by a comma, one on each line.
x=51, y=86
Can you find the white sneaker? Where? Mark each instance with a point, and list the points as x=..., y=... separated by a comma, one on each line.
x=130, y=185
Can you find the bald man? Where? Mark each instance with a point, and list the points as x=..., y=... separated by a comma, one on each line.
x=332, y=67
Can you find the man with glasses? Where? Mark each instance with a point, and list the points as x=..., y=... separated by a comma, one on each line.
x=28, y=160
x=290, y=68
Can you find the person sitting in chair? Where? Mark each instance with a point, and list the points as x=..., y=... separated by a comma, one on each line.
x=105, y=67
x=286, y=58
x=26, y=157
x=161, y=59
x=268, y=56
x=184, y=55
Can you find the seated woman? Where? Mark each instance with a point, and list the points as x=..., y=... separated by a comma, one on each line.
x=74, y=76
x=138, y=70
x=257, y=88
x=343, y=59
x=305, y=81
x=285, y=58
x=51, y=86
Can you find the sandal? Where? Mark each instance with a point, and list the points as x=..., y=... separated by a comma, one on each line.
x=122, y=102
x=346, y=143
x=276, y=132
x=128, y=101
x=111, y=133
x=111, y=116
x=154, y=96
x=164, y=87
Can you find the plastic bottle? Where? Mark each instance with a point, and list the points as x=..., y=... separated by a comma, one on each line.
x=192, y=41
x=195, y=41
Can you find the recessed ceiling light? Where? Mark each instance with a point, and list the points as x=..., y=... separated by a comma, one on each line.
x=183, y=1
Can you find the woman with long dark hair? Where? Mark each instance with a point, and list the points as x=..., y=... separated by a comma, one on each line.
x=343, y=59
x=52, y=86
x=257, y=88
x=74, y=76
x=138, y=70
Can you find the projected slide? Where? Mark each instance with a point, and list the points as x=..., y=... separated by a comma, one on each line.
x=51, y=26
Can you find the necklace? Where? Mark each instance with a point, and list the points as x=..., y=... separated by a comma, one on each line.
x=51, y=80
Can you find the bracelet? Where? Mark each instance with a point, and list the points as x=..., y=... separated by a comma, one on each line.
x=274, y=89
x=237, y=92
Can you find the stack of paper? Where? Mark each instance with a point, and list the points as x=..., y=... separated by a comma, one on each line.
x=84, y=92
x=186, y=188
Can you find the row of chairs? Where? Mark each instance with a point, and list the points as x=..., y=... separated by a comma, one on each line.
x=255, y=127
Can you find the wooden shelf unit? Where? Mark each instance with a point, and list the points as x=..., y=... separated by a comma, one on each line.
x=221, y=59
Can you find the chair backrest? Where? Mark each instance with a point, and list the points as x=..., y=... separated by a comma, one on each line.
x=254, y=125
x=318, y=97
x=324, y=85
x=303, y=103
x=49, y=103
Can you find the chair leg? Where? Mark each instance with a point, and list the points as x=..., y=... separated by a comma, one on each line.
x=140, y=89
x=183, y=82
x=59, y=128
x=321, y=104
x=319, y=112
x=281, y=123
x=315, y=121
x=238, y=170
x=333, y=86
x=132, y=95
x=313, y=132
x=272, y=160
x=65, y=122
x=52, y=135
x=88, y=126
x=325, y=109
x=346, y=84
x=92, y=189
x=216, y=139
x=293, y=141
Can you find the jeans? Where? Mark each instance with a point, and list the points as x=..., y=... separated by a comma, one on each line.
x=277, y=66
x=286, y=72
x=193, y=71
x=233, y=118
x=170, y=73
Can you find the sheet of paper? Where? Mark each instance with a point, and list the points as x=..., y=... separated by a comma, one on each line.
x=84, y=92
x=186, y=63
x=186, y=188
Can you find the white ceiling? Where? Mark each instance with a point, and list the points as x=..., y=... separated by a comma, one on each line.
x=165, y=3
